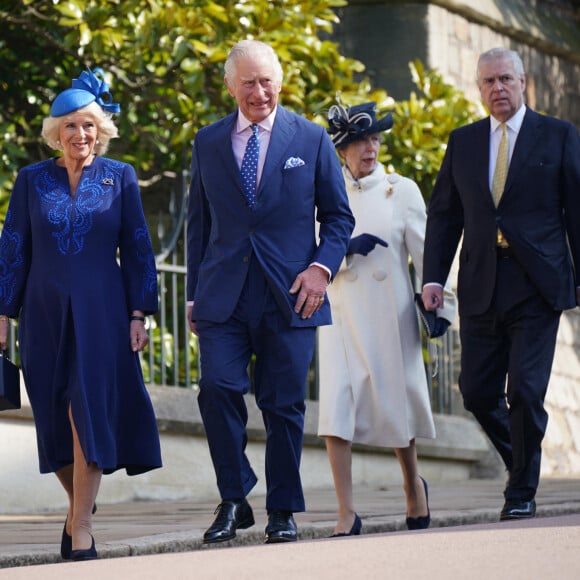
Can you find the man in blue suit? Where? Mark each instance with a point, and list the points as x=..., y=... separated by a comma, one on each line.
x=256, y=280
x=519, y=263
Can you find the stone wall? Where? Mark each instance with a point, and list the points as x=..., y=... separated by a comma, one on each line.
x=454, y=44
x=187, y=472
x=562, y=442
x=448, y=35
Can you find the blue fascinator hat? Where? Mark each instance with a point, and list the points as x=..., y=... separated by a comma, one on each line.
x=349, y=124
x=89, y=87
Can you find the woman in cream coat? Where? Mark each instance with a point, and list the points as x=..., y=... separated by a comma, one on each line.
x=373, y=388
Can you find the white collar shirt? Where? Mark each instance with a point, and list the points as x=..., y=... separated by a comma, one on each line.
x=241, y=133
x=514, y=124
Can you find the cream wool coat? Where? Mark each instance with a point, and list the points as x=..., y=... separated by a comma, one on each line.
x=373, y=388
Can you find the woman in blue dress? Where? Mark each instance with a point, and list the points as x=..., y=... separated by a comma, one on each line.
x=77, y=268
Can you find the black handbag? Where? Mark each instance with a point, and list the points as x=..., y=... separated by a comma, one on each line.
x=9, y=384
x=427, y=317
x=433, y=324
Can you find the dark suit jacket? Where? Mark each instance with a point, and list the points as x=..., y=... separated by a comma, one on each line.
x=539, y=213
x=224, y=233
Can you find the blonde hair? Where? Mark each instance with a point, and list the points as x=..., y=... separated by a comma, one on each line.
x=106, y=128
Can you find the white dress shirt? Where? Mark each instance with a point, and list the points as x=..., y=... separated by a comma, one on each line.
x=241, y=133
x=514, y=124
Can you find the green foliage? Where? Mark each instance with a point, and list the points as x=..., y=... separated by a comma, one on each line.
x=164, y=62
x=417, y=143
x=160, y=365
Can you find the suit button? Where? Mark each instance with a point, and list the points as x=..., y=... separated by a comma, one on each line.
x=245, y=259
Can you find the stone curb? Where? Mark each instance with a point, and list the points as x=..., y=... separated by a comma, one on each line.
x=187, y=541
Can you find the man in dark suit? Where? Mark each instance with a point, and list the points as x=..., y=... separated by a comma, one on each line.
x=519, y=262
x=256, y=281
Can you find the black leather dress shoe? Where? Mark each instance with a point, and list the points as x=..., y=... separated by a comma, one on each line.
x=281, y=527
x=231, y=515
x=518, y=510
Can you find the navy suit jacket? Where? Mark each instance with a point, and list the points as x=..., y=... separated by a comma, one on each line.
x=539, y=212
x=224, y=234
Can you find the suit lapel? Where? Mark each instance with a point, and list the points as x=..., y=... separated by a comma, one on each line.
x=223, y=151
x=282, y=134
x=527, y=137
x=481, y=156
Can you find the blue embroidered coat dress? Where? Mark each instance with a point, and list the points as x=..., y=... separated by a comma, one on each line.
x=73, y=268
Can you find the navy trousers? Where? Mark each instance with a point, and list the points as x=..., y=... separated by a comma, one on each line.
x=282, y=359
x=514, y=340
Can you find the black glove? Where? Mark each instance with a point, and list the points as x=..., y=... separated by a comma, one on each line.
x=364, y=243
x=440, y=327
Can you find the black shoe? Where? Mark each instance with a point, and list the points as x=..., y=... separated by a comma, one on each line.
x=281, y=527
x=65, y=543
x=231, y=515
x=354, y=530
x=422, y=522
x=81, y=555
x=518, y=510
x=66, y=540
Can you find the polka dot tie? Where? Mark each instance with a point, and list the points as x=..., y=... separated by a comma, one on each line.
x=250, y=166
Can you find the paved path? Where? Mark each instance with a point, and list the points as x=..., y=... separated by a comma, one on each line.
x=541, y=549
x=465, y=540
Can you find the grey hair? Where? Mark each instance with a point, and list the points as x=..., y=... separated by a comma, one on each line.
x=246, y=48
x=106, y=128
x=499, y=54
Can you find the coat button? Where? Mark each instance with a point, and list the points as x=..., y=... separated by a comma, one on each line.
x=379, y=275
x=245, y=259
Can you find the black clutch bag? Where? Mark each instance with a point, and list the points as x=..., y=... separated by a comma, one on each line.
x=428, y=318
x=9, y=384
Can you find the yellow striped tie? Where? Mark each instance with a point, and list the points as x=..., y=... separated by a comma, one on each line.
x=501, y=166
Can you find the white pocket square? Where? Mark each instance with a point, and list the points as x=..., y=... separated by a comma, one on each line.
x=293, y=162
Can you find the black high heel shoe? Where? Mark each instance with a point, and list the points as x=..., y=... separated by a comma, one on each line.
x=81, y=555
x=65, y=543
x=354, y=530
x=422, y=522
x=66, y=540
